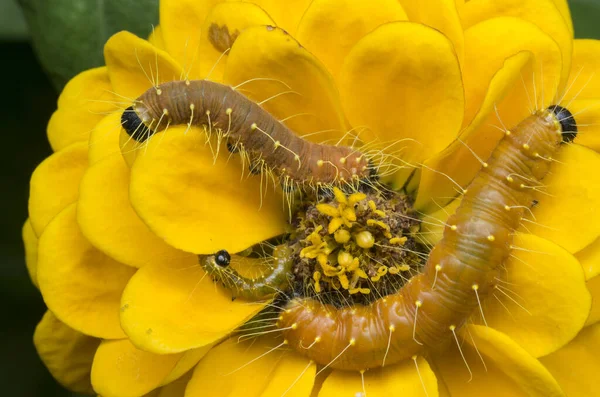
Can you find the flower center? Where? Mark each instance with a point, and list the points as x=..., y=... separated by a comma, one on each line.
x=355, y=248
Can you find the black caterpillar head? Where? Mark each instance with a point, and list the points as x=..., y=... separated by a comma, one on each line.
x=567, y=122
x=133, y=125
x=222, y=258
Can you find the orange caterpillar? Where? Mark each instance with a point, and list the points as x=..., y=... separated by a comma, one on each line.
x=266, y=141
x=424, y=314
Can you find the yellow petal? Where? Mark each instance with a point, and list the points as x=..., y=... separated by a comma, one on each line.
x=105, y=138
x=30, y=241
x=134, y=65
x=563, y=7
x=508, y=370
x=400, y=95
x=543, y=13
x=249, y=370
x=79, y=284
x=66, y=353
x=593, y=285
x=55, y=184
x=521, y=91
x=109, y=222
x=453, y=168
x=330, y=28
x=587, y=116
x=397, y=380
x=221, y=27
x=182, y=34
x=82, y=103
x=174, y=306
x=197, y=206
x=445, y=18
x=569, y=206
x=156, y=38
x=589, y=258
x=291, y=81
x=583, y=81
x=122, y=370
x=576, y=365
x=286, y=14
x=542, y=302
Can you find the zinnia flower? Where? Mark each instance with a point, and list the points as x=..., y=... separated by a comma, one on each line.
x=115, y=228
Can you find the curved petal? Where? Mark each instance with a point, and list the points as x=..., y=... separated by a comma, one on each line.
x=534, y=87
x=583, y=81
x=55, y=184
x=408, y=378
x=30, y=241
x=108, y=220
x=182, y=35
x=593, y=285
x=135, y=65
x=456, y=165
x=122, y=370
x=589, y=258
x=509, y=79
x=273, y=69
x=157, y=39
x=576, y=365
x=563, y=7
x=198, y=204
x=105, y=138
x=445, y=18
x=80, y=285
x=543, y=13
x=542, y=301
x=587, y=117
x=82, y=103
x=286, y=14
x=252, y=370
x=172, y=307
x=66, y=353
x=433, y=224
x=403, y=96
x=497, y=365
x=330, y=28
x=570, y=203
x=221, y=28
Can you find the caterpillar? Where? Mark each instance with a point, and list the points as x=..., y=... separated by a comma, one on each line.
x=219, y=266
x=425, y=313
x=246, y=126
x=460, y=271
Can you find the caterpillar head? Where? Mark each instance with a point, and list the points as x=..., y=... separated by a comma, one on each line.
x=134, y=126
x=567, y=122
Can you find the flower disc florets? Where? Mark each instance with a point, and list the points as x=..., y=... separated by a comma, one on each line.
x=354, y=248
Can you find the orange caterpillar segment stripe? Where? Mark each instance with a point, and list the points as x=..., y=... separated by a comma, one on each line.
x=424, y=314
x=246, y=126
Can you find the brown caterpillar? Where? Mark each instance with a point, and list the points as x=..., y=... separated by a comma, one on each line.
x=246, y=126
x=424, y=314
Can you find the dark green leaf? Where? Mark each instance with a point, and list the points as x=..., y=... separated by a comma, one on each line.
x=586, y=15
x=69, y=35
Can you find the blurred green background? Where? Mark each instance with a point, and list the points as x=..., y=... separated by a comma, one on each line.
x=29, y=99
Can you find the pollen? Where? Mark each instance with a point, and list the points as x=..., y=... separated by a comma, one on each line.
x=357, y=244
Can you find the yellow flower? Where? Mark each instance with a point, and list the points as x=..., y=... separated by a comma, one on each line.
x=114, y=228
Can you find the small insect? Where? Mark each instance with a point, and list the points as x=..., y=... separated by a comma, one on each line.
x=266, y=142
x=275, y=280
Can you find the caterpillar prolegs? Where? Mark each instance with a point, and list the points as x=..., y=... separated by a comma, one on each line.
x=460, y=271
